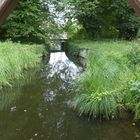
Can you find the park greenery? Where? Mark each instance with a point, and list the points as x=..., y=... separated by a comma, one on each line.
x=15, y=59
x=30, y=22
x=110, y=83
x=106, y=18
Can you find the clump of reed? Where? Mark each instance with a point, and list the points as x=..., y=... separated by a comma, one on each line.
x=132, y=98
x=100, y=92
x=15, y=58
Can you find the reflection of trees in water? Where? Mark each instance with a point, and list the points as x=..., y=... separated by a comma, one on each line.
x=53, y=112
x=8, y=97
x=59, y=74
x=63, y=69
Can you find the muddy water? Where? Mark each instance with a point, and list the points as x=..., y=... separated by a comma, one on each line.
x=39, y=109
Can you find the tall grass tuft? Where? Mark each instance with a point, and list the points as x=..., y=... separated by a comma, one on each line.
x=15, y=58
x=133, y=98
x=98, y=104
x=101, y=87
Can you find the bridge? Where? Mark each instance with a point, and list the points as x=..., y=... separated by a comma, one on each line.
x=59, y=44
x=6, y=7
x=136, y=5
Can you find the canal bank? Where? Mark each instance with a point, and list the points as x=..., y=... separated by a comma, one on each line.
x=40, y=109
x=16, y=59
x=110, y=82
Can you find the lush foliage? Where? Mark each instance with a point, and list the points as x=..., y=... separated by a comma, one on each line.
x=15, y=58
x=110, y=68
x=8, y=96
x=97, y=105
x=31, y=21
x=107, y=18
x=133, y=98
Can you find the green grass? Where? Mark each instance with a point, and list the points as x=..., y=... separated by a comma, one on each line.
x=111, y=65
x=97, y=104
x=116, y=47
x=133, y=98
x=15, y=58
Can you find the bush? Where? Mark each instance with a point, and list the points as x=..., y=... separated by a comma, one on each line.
x=107, y=18
x=30, y=22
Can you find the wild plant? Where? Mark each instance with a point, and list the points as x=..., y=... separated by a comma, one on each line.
x=100, y=87
x=133, y=98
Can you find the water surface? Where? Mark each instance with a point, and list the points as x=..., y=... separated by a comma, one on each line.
x=39, y=109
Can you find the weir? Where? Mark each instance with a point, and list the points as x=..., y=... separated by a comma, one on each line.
x=58, y=44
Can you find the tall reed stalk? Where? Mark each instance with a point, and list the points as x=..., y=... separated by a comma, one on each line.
x=110, y=68
x=15, y=58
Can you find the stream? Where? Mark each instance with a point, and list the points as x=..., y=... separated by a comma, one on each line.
x=39, y=109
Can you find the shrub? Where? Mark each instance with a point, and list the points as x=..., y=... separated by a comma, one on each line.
x=30, y=22
x=107, y=18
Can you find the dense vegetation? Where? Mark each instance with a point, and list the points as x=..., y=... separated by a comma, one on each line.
x=107, y=18
x=31, y=21
x=15, y=59
x=110, y=82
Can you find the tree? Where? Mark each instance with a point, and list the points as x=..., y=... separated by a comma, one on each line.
x=30, y=22
x=107, y=18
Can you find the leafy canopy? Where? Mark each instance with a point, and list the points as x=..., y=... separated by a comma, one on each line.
x=31, y=21
x=107, y=18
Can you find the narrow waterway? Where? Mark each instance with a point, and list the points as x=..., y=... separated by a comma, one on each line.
x=39, y=109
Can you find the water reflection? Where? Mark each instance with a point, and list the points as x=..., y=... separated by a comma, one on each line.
x=60, y=65
x=8, y=98
x=43, y=113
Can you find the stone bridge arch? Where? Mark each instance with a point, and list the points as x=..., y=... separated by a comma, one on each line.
x=136, y=5
x=6, y=7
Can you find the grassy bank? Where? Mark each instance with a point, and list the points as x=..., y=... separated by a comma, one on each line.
x=15, y=59
x=110, y=82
